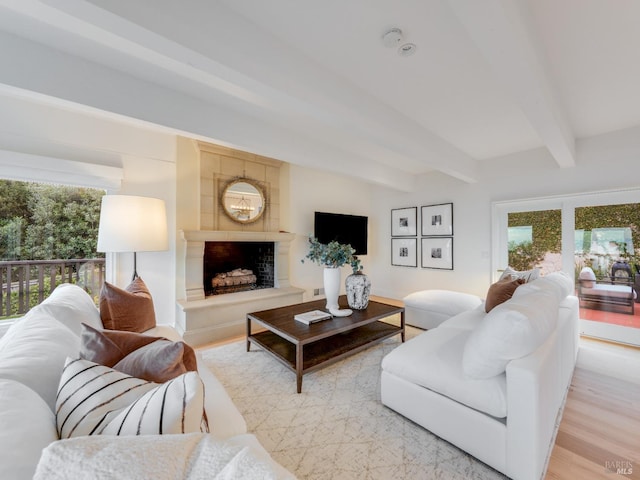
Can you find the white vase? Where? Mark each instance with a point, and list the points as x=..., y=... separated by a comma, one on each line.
x=332, y=287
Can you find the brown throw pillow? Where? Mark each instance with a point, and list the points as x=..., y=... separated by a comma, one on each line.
x=108, y=347
x=154, y=359
x=500, y=292
x=130, y=309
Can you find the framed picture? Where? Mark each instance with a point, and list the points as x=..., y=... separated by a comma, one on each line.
x=437, y=219
x=404, y=252
x=404, y=222
x=437, y=252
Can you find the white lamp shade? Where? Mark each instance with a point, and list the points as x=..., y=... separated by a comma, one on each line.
x=132, y=224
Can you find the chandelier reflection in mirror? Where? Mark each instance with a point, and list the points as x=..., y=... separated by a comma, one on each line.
x=243, y=200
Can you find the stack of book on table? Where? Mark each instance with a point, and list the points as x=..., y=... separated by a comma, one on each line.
x=312, y=317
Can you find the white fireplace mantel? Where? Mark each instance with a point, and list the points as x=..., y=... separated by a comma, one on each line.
x=203, y=319
x=194, y=256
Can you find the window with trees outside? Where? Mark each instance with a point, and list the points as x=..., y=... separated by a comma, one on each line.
x=48, y=236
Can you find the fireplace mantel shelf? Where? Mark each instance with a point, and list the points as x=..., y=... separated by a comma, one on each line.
x=231, y=236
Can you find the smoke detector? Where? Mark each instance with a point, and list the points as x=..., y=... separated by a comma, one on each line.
x=392, y=38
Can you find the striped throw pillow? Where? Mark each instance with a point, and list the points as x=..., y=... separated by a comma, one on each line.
x=94, y=399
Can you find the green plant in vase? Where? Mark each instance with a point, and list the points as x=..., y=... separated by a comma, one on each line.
x=332, y=256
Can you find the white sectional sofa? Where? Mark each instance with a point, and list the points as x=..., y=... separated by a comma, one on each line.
x=493, y=384
x=32, y=356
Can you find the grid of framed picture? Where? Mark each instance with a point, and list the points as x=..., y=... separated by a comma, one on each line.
x=437, y=236
x=404, y=237
x=436, y=242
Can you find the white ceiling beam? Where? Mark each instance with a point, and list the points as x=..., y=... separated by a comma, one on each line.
x=499, y=30
x=324, y=103
x=27, y=167
x=36, y=68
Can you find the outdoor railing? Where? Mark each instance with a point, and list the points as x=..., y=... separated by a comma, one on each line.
x=26, y=283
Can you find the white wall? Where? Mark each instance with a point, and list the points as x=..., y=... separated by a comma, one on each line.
x=606, y=162
x=312, y=190
x=152, y=178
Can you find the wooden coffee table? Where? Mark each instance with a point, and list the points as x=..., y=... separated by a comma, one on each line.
x=305, y=348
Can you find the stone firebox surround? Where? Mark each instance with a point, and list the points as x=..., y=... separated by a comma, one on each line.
x=203, y=319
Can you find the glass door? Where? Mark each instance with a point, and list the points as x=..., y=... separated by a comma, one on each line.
x=534, y=240
x=608, y=276
x=529, y=235
x=598, y=233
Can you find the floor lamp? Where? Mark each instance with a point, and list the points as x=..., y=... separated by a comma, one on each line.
x=132, y=224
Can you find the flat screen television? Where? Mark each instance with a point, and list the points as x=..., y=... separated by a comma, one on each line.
x=347, y=229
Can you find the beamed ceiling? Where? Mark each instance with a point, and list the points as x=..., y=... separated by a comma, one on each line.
x=313, y=84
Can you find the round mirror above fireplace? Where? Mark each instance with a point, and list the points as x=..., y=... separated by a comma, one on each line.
x=243, y=200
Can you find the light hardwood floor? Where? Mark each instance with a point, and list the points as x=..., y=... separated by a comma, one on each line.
x=599, y=436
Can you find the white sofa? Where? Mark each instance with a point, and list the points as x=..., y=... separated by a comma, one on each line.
x=32, y=356
x=446, y=379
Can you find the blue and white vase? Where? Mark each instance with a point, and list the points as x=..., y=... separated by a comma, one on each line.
x=358, y=288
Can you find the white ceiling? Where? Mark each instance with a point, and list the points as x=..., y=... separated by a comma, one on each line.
x=489, y=77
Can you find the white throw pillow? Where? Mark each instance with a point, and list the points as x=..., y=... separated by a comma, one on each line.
x=558, y=282
x=511, y=330
x=562, y=281
x=94, y=400
x=526, y=275
x=27, y=425
x=33, y=352
x=72, y=306
x=587, y=277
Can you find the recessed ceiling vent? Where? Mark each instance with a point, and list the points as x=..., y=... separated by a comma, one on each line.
x=407, y=49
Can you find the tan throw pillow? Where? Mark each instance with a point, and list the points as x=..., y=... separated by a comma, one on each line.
x=130, y=309
x=500, y=292
x=150, y=358
x=159, y=361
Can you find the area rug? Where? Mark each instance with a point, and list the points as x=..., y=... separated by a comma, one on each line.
x=337, y=428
